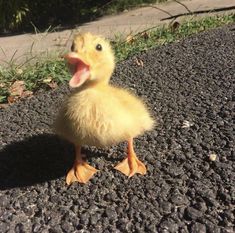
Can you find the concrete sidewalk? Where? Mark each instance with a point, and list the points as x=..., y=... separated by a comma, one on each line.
x=21, y=47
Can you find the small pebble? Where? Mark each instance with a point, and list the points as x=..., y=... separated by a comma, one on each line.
x=212, y=157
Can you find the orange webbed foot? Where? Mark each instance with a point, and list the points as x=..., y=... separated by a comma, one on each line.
x=81, y=172
x=130, y=168
x=131, y=164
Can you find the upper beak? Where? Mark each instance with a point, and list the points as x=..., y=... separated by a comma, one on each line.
x=80, y=70
x=72, y=58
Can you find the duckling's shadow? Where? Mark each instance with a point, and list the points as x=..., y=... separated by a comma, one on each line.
x=35, y=160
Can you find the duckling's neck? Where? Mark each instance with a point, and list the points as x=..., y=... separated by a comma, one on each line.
x=93, y=84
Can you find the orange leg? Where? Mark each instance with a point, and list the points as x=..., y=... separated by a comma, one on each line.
x=81, y=171
x=131, y=164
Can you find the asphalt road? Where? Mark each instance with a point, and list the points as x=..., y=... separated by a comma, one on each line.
x=183, y=191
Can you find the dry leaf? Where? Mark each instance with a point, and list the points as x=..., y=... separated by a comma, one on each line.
x=26, y=94
x=175, y=26
x=2, y=85
x=139, y=62
x=47, y=80
x=17, y=91
x=19, y=71
x=52, y=85
x=161, y=41
x=17, y=88
x=11, y=99
x=129, y=39
x=145, y=35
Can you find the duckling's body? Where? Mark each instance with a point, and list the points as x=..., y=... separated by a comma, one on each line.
x=96, y=113
x=102, y=115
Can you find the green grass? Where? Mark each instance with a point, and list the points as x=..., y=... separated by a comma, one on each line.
x=33, y=75
x=55, y=67
x=163, y=35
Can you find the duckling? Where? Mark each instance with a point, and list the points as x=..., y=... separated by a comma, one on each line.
x=97, y=113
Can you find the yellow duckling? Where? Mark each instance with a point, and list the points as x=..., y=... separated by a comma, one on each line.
x=96, y=113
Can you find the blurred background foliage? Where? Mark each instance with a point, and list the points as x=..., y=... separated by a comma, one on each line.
x=24, y=15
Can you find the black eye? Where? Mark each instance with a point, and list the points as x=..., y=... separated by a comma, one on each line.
x=98, y=47
x=73, y=47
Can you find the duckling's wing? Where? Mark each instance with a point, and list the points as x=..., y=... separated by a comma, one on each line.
x=120, y=114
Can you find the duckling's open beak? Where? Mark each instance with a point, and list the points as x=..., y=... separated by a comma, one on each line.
x=80, y=70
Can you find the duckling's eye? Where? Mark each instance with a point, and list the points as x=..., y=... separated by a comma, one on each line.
x=98, y=47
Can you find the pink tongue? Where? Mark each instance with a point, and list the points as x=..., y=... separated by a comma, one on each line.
x=80, y=76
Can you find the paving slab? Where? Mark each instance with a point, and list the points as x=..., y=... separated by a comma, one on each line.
x=189, y=187
x=22, y=47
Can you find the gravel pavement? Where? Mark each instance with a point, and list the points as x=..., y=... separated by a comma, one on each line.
x=189, y=187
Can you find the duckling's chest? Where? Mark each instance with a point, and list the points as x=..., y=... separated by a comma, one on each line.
x=87, y=104
x=91, y=118
x=90, y=109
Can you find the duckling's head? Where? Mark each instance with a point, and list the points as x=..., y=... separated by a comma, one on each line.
x=91, y=59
